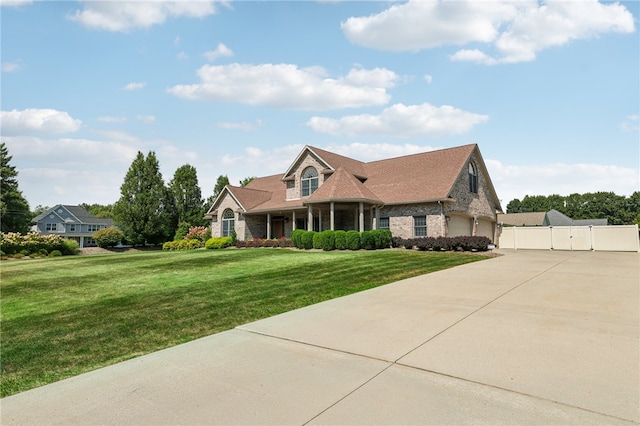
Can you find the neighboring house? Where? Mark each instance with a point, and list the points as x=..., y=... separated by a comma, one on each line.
x=439, y=193
x=550, y=218
x=71, y=223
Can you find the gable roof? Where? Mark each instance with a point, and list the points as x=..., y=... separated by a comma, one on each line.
x=80, y=215
x=424, y=177
x=343, y=186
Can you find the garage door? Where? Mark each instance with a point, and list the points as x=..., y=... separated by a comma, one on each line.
x=459, y=226
x=485, y=229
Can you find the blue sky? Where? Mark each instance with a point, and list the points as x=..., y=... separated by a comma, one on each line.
x=548, y=90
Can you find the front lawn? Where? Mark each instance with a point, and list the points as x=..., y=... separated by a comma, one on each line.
x=64, y=316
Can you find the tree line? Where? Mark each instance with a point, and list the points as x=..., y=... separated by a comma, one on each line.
x=617, y=209
x=148, y=211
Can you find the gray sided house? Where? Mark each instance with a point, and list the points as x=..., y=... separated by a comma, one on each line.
x=551, y=218
x=71, y=223
x=439, y=193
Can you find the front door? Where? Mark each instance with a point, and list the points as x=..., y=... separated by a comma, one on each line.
x=278, y=228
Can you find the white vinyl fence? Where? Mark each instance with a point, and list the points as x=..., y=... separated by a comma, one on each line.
x=600, y=238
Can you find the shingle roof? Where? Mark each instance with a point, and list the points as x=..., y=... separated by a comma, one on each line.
x=343, y=186
x=428, y=176
x=81, y=214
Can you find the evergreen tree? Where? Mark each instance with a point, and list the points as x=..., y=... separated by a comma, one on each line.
x=223, y=180
x=14, y=209
x=244, y=182
x=187, y=197
x=144, y=208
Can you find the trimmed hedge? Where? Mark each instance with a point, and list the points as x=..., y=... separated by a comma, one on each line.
x=476, y=243
x=182, y=245
x=217, y=242
x=341, y=240
x=261, y=242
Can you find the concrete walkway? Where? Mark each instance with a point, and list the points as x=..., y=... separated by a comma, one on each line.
x=532, y=337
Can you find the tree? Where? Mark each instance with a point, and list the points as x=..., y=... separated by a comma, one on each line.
x=99, y=210
x=144, y=208
x=244, y=182
x=222, y=181
x=14, y=209
x=187, y=197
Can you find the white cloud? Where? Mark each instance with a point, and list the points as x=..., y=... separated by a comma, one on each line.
x=146, y=118
x=400, y=120
x=10, y=67
x=287, y=86
x=48, y=121
x=516, y=30
x=219, y=51
x=244, y=125
x=181, y=56
x=514, y=181
x=134, y=86
x=630, y=124
x=124, y=16
x=428, y=78
x=110, y=119
x=15, y=2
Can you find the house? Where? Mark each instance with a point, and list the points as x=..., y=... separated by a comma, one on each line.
x=551, y=218
x=439, y=193
x=71, y=223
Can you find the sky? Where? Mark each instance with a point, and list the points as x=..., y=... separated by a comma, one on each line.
x=549, y=90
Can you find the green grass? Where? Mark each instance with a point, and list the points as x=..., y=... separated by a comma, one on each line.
x=64, y=316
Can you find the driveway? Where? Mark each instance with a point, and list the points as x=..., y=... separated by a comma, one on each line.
x=531, y=337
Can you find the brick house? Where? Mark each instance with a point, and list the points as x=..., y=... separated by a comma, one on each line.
x=439, y=193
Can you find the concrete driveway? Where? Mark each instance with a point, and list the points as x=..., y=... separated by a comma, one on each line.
x=532, y=337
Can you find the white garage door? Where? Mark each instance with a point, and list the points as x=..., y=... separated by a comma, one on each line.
x=485, y=229
x=459, y=226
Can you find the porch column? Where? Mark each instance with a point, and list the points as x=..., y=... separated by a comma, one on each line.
x=361, y=209
x=376, y=224
x=309, y=219
x=332, y=216
x=268, y=226
x=293, y=225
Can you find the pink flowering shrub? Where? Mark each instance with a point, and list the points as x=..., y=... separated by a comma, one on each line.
x=201, y=233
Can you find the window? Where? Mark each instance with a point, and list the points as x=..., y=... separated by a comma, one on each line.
x=51, y=226
x=72, y=227
x=384, y=223
x=227, y=223
x=419, y=226
x=473, y=178
x=309, y=181
x=94, y=228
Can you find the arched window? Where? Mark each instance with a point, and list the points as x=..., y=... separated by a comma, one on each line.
x=473, y=178
x=309, y=181
x=227, y=222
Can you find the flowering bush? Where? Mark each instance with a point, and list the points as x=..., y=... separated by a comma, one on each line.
x=201, y=233
x=476, y=243
x=14, y=242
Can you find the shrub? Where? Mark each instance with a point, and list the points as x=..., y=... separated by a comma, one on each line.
x=382, y=238
x=476, y=243
x=327, y=240
x=296, y=237
x=197, y=233
x=218, y=243
x=367, y=240
x=182, y=245
x=25, y=252
x=317, y=240
x=108, y=237
x=55, y=253
x=353, y=240
x=14, y=242
x=69, y=247
x=307, y=240
x=341, y=240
